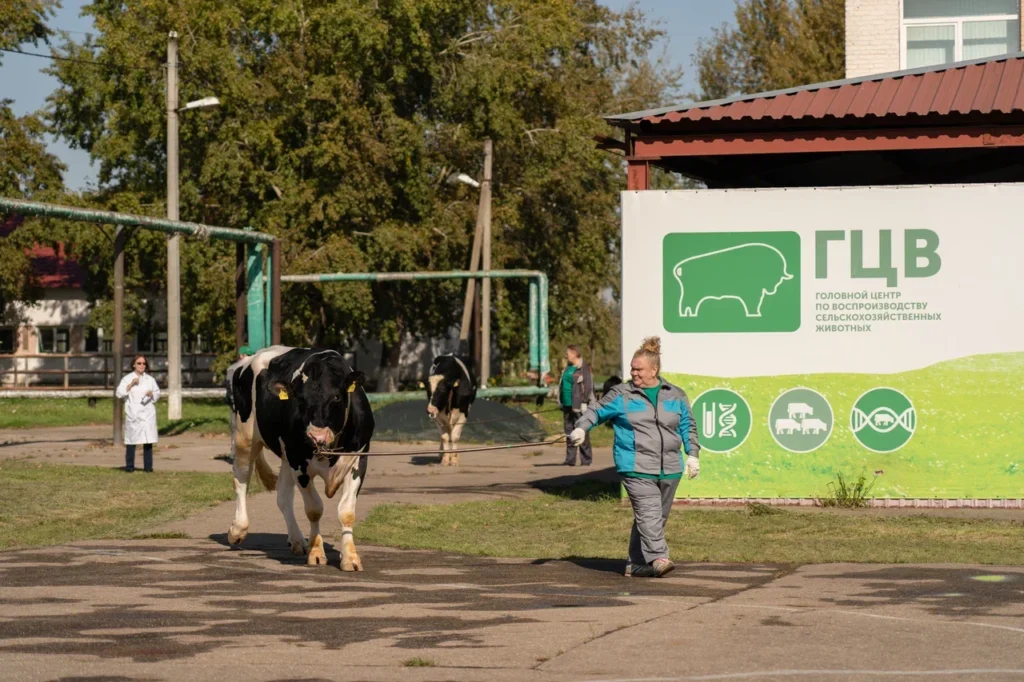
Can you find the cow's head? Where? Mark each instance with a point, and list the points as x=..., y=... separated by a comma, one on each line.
x=440, y=392
x=322, y=392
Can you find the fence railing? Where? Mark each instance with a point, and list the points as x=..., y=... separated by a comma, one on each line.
x=95, y=370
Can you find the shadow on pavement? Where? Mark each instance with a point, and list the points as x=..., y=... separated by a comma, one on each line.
x=275, y=546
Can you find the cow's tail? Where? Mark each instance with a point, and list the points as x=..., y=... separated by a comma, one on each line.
x=267, y=475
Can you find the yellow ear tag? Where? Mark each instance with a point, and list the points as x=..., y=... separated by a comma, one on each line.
x=352, y=388
x=421, y=385
x=283, y=395
x=455, y=385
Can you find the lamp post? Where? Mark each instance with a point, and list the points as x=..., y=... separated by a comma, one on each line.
x=481, y=243
x=174, y=241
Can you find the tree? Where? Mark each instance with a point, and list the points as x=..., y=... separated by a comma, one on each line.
x=27, y=170
x=775, y=44
x=338, y=126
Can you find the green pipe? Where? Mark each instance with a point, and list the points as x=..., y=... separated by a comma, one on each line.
x=267, y=313
x=507, y=392
x=35, y=208
x=544, y=333
x=408, y=276
x=254, y=273
x=534, y=325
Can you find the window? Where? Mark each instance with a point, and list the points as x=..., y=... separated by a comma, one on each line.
x=92, y=340
x=8, y=339
x=54, y=339
x=937, y=32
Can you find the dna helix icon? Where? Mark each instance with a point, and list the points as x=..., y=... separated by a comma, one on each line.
x=883, y=420
x=727, y=420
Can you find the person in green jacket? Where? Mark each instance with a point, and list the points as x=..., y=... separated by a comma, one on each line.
x=654, y=428
x=575, y=394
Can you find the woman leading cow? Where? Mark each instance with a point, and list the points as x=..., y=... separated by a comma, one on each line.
x=653, y=427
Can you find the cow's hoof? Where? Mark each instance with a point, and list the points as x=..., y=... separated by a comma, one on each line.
x=353, y=564
x=298, y=547
x=316, y=557
x=236, y=535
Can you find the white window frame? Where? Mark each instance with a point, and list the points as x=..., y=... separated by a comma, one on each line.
x=958, y=29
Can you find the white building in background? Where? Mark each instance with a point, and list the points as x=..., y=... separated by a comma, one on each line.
x=891, y=35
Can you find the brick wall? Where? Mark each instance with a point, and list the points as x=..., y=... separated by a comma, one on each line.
x=872, y=37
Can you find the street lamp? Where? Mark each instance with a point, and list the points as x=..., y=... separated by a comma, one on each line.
x=174, y=241
x=481, y=242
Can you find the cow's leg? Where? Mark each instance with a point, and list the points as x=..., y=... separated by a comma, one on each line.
x=286, y=503
x=314, y=510
x=350, y=560
x=245, y=453
x=459, y=421
x=442, y=429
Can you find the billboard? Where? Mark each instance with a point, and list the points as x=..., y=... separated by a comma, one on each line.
x=875, y=331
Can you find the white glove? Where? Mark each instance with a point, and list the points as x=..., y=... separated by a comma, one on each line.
x=583, y=407
x=692, y=466
x=577, y=437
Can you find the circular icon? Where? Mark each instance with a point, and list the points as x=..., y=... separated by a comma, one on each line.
x=883, y=420
x=800, y=420
x=723, y=419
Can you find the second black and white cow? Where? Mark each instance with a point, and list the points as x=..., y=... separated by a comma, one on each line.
x=296, y=402
x=451, y=390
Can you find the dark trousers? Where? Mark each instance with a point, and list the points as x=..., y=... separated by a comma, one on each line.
x=586, y=451
x=147, y=457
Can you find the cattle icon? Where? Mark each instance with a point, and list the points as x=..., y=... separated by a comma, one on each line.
x=883, y=419
x=787, y=426
x=731, y=282
x=799, y=410
x=801, y=420
x=710, y=277
x=813, y=426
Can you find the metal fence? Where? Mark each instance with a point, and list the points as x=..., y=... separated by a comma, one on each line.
x=95, y=370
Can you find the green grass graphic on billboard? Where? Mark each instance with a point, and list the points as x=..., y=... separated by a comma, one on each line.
x=944, y=431
x=731, y=282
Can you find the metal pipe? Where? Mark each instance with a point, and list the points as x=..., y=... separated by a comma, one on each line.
x=268, y=298
x=407, y=276
x=88, y=215
x=120, y=238
x=275, y=300
x=534, y=319
x=485, y=315
x=544, y=341
x=255, y=297
x=474, y=264
x=218, y=393
x=239, y=296
x=174, y=241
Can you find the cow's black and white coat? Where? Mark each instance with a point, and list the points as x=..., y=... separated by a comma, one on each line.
x=451, y=390
x=295, y=401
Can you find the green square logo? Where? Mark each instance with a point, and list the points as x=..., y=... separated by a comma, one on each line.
x=731, y=282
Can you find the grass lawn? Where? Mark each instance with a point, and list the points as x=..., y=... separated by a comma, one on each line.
x=46, y=504
x=559, y=527
x=198, y=416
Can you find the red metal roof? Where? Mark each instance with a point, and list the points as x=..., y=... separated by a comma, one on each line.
x=51, y=268
x=977, y=87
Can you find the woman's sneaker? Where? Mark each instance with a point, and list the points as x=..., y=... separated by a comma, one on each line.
x=662, y=567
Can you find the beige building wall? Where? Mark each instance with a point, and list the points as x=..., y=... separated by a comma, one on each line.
x=872, y=37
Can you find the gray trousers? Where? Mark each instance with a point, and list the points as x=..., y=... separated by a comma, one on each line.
x=586, y=451
x=652, y=502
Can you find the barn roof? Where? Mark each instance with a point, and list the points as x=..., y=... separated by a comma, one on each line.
x=981, y=86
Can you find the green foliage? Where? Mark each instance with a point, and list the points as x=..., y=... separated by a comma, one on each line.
x=338, y=126
x=761, y=509
x=843, y=493
x=774, y=44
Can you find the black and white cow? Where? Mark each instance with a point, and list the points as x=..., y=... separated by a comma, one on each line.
x=451, y=390
x=296, y=401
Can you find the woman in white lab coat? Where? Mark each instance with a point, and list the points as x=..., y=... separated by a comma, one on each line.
x=139, y=392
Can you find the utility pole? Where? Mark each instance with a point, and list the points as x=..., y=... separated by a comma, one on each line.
x=174, y=241
x=485, y=316
x=120, y=238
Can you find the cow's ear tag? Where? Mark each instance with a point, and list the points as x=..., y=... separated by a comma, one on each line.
x=283, y=395
x=421, y=385
x=455, y=385
x=352, y=388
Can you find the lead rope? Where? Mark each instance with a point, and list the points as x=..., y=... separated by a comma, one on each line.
x=511, y=446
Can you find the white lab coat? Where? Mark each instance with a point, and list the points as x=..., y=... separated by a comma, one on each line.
x=139, y=409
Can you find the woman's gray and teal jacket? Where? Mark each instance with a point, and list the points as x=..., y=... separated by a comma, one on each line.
x=649, y=438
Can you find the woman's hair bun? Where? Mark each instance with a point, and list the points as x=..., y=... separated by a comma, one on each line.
x=652, y=344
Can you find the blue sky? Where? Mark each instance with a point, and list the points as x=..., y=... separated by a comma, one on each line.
x=21, y=79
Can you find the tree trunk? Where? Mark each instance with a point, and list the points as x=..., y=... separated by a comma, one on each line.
x=390, y=357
